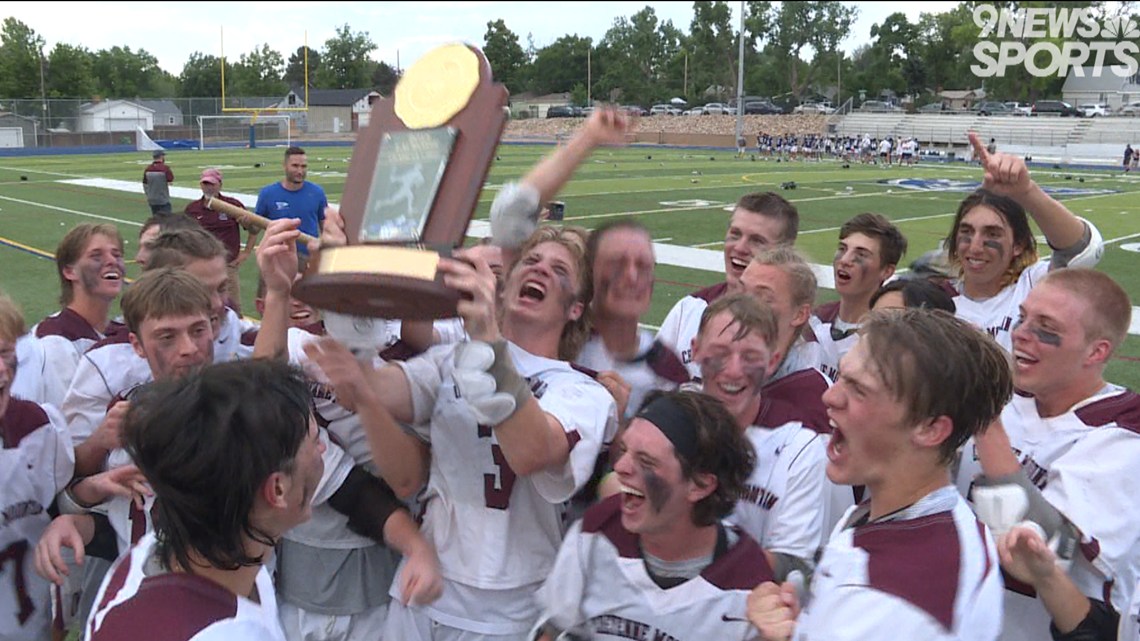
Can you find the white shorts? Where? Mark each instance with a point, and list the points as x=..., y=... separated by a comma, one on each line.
x=412, y=624
x=302, y=625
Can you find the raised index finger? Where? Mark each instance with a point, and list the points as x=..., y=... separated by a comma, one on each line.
x=979, y=148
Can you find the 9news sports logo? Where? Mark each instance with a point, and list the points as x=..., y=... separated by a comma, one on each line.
x=1002, y=32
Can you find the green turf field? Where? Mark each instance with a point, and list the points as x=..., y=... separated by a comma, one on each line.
x=680, y=195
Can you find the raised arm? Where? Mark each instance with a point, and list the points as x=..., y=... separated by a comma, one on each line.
x=1007, y=174
x=277, y=260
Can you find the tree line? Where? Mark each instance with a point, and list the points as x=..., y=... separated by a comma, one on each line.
x=792, y=50
x=70, y=71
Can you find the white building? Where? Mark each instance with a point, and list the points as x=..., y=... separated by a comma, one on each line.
x=1107, y=88
x=114, y=115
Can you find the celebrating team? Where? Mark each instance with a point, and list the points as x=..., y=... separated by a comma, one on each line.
x=543, y=468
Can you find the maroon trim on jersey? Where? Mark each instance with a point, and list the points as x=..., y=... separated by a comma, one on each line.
x=802, y=393
x=19, y=420
x=168, y=607
x=916, y=560
x=592, y=373
x=399, y=351
x=249, y=337
x=67, y=324
x=126, y=395
x=828, y=312
x=1122, y=409
x=316, y=329
x=119, y=573
x=122, y=337
x=946, y=285
x=743, y=567
x=604, y=518
x=572, y=438
x=1090, y=549
x=711, y=293
x=665, y=363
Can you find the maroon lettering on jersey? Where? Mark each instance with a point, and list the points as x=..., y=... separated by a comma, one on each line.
x=21, y=419
x=916, y=560
x=711, y=293
x=168, y=607
x=67, y=324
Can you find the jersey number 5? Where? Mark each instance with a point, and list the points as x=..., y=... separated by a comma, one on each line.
x=497, y=487
x=15, y=553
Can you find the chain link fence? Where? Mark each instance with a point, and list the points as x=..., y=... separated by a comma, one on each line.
x=75, y=123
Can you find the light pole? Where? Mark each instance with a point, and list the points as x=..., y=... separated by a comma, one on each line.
x=740, y=80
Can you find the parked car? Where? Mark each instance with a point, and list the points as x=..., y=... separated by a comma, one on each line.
x=813, y=108
x=762, y=107
x=1130, y=109
x=664, y=110
x=1020, y=108
x=990, y=108
x=1054, y=108
x=587, y=112
x=932, y=108
x=560, y=111
x=877, y=105
x=715, y=109
x=695, y=111
x=1092, y=110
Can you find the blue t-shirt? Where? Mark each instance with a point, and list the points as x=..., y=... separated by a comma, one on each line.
x=307, y=203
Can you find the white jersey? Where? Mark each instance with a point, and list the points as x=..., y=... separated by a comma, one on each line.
x=139, y=600
x=111, y=370
x=884, y=146
x=655, y=368
x=833, y=339
x=680, y=326
x=496, y=533
x=35, y=381
x=1079, y=460
x=783, y=506
x=64, y=337
x=1130, y=619
x=929, y=572
x=36, y=463
x=600, y=584
x=997, y=314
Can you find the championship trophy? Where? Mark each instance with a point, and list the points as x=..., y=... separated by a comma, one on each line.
x=413, y=184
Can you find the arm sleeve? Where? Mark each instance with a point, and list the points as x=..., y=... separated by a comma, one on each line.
x=169, y=174
x=262, y=206
x=367, y=502
x=1100, y=624
x=61, y=359
x=321, y=206
x=1085, y=253
x=588, y=415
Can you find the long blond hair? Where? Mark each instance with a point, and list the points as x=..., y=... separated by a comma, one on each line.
x=576, y=332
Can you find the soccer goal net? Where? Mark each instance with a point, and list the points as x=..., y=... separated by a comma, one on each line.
x=234, y=131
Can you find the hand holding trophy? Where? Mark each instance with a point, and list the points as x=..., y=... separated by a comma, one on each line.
x=415, y=177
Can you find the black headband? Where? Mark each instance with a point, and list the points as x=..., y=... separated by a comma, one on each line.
x=668, y=417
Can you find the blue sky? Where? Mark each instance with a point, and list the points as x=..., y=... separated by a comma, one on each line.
x=173, y=30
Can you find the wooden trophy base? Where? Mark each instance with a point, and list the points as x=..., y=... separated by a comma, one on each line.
x=378, y=281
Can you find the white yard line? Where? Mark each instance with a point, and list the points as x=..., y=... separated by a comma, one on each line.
x=71, y=211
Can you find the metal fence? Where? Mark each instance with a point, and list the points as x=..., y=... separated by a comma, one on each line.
x=72, y=123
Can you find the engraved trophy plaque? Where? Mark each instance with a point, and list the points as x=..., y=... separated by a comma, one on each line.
x=413, y=183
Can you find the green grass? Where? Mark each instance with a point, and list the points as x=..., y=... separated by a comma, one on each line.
x=635, y=182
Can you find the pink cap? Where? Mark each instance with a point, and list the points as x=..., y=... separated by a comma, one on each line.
x=211, y=176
